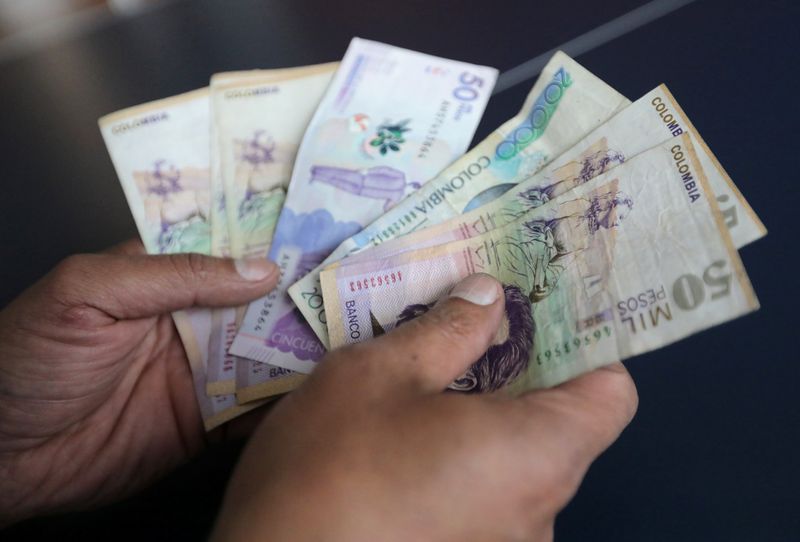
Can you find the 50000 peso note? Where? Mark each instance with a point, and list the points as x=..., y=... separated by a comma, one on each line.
x=631, y=261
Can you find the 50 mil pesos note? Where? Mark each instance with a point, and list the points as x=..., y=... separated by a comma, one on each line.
x=653, y=119
x=160, y=151
x=566, y=102
x=631, y=261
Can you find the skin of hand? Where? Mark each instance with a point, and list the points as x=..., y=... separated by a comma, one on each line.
x=370, y=448
x=96, y=396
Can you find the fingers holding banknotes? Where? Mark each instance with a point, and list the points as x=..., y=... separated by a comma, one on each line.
x=370, y=447
x=96, y=397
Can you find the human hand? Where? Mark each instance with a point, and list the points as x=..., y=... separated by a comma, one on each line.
x=371, y=449
x=96, y=396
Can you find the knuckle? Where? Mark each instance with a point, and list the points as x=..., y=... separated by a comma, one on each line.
x=71, y=269
x=620, y=391
x=455, y=320
x=556, y=484
x=631, y=396
x=78, y=316
x=191, y=267
x=70, y=288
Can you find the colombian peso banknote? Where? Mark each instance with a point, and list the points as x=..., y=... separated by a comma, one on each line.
x=566, y=102
x=261, y=117
x=160, y=151
x=258, y=120
x=390, y=120
x=626, y=263
x=651, y=120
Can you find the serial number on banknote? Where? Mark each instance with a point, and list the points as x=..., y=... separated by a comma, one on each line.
x=567, y=347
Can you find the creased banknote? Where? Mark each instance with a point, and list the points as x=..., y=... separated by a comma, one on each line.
x=258, y=120
x=261, y=118
x=160, y=151
x=648, y=122
x=628, y=262
x=565, y=104
x=390, y=120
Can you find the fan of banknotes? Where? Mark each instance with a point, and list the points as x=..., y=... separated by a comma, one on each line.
x=612, y=227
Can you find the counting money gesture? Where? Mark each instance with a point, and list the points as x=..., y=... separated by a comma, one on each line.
x=96, y=396
x=370, y=448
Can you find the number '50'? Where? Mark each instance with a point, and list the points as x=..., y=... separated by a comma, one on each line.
x=466, y=91
x=689, y=291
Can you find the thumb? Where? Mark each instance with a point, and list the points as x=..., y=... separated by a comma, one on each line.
x=136, y=286
x=436, y=348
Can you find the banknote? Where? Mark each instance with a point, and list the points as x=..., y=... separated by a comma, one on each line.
x=220, y=366
x=160, y=151
x=566, y=103
x=194, y=328
x=628, y=262
x=651, y=120
x=258, y=119
x=389, y=121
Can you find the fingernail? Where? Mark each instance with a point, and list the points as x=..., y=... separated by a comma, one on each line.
x=479, y=288
x=254, y=268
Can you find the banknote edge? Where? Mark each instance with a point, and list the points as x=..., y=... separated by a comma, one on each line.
x=727, y=178
x=733, y=253
x=149, y=106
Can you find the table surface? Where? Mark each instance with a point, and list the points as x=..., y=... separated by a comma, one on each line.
x=711, y=453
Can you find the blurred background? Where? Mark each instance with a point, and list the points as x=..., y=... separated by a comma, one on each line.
x=712, y=453
x=28, y=24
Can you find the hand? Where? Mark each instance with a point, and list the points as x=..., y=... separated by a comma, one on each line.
x=96, y=397
x=371, y=449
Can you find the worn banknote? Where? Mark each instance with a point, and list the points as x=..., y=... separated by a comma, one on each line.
x=160, y=151
x=389, y=121
x=651, y=120
x=566, y=102
x=261, y=117
x=258, y=119
x=628, y=262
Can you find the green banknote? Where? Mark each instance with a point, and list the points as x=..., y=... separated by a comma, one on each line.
x=628, y=262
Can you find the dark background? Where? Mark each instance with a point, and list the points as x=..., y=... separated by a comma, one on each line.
x=712, y=453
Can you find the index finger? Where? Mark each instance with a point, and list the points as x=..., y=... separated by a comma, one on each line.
x=575, y=422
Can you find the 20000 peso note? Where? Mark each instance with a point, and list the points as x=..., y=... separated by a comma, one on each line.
x=258, y=120
x=651, y=120
x=160, y=152
x=631, y=261
x=566, y=102
x=390, y=120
